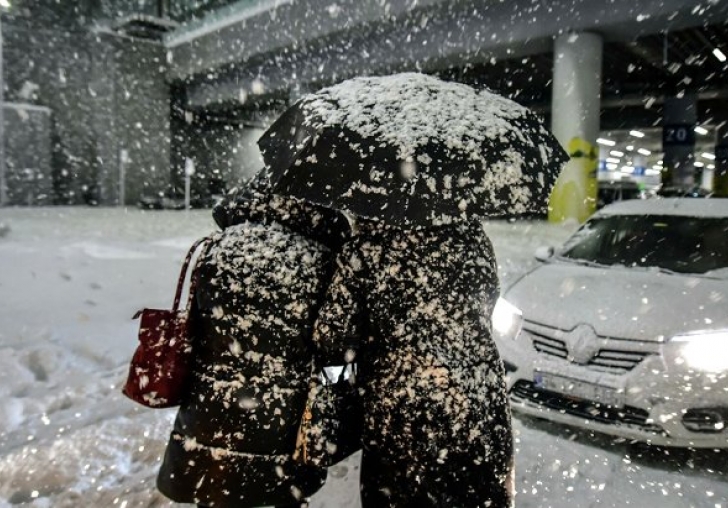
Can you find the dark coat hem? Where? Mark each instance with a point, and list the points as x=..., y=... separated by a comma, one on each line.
x=216, y=477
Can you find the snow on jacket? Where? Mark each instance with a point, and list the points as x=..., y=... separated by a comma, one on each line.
x=260, y=285
x=438, y=430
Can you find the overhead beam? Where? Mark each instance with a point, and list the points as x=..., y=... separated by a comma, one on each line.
x=418, y=31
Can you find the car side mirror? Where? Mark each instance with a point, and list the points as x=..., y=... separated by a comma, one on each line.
x=544, y=253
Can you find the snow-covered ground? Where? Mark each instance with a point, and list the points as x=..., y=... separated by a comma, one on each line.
x=70, y=280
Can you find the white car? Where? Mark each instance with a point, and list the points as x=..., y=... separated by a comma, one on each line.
x=624, y=329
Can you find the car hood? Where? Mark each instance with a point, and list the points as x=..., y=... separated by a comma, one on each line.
x=621, y=302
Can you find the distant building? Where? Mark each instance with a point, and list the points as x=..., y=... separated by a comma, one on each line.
x=86, y=99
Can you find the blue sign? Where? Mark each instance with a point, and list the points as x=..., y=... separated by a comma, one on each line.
x=678, y=135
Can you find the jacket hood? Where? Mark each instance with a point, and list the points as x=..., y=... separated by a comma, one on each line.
x=254, y=201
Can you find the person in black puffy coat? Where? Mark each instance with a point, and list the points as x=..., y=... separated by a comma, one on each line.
x=261, y=282
x=437, y=427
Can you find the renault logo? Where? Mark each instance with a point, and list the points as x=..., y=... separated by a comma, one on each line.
x=582, y=344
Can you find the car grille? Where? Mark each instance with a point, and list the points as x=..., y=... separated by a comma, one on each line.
x=616, y=360
x=613, y=360
x=548, y=345
x=589, y=410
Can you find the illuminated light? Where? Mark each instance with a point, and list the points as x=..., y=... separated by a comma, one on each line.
x=627, y=169
x=257, y=87
x=719, y=55
x=637, y=134
x=708, y=156
x=613, y=160
x=711, y=166
x=606, y=142
x=657, y=167
x=701, y=130
x=507, y=319
x=652, y=172
x=643, y=151
x=612, y=167
x=698, y=164
x=630, y=148
x=699, y=350
x=616, y=153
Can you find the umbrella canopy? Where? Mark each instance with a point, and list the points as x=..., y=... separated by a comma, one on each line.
x=412, y=150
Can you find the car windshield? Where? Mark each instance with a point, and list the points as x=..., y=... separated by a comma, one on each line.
x=676, y=243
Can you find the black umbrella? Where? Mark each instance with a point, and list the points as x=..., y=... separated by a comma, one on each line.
x=412, y=150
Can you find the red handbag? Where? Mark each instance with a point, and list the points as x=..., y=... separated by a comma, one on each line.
x=160, y=366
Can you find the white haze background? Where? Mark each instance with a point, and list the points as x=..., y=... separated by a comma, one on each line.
x=70, y=280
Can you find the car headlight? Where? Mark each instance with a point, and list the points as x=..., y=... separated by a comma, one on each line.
x=706, y=351
x=507, y=319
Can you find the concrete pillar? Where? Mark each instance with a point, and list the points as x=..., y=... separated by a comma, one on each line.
x=720, y=174
x=678, y=141
x=575, y=107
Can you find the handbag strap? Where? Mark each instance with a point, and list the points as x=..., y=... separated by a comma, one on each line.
x=183, y=275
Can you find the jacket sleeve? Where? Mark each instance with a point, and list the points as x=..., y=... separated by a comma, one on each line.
x=339, y=327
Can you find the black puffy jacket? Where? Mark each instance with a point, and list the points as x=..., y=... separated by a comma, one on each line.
x=261, y=282
x=437, y=421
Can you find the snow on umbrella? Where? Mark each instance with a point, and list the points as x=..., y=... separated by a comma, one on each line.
x=413, y=150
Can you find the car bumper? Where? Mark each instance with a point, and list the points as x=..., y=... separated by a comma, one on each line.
x=654, y=406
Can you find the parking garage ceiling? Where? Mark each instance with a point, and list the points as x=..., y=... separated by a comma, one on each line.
x=636, y=77
x=641, y=66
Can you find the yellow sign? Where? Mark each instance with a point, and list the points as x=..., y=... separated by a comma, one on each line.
x=575, y=194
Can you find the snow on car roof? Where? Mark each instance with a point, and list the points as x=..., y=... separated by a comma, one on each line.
x=692, y=207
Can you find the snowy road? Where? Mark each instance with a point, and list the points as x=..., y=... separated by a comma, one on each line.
x=71, y=278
